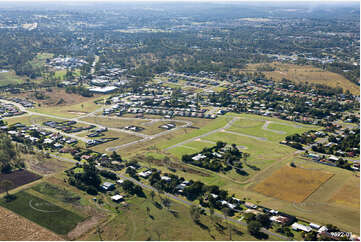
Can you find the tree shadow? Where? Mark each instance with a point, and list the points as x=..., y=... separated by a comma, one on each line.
x=9, y=198
x=157, y=205
x=261, y=236
x=242, y=172
x=202, y=226
x=174, y=213
x=255, y=168
x=237, y=232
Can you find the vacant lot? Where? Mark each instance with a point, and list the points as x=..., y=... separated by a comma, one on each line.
x=292, y=184
x=44, y=166
x=57, y=97
x=309, y=74
x=57, y=193
x=10, y=77
x=113, y=122
x=200, y=130
x=123, y=138
x=14, y=227
x=42, y=212
x=19, y=178
x=73, y=110
x=348, y=194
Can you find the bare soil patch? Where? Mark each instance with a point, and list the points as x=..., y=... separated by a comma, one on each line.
x=96, y=218
x=19, y=178
x=45, y=167
x=13, y=227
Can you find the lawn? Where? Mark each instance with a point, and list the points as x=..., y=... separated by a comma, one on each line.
x=292, y=184
x=42, y=212
x=134, y=224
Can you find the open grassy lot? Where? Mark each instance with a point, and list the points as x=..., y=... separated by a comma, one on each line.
x=10, y=77
x=289, y=129
x=215, y=124
x=14, y=227
x=135, y=224
x=113, y=122
x=40, y=59
x=255, y=129
x=62, y=73
x=71, y=111
x=57, y=193
x=42, y=212
x=44, y=166
x=31, y=119
x=270, y=131
x=254, y=117
x=348, y=194
x=306, y=73
x=292, y=184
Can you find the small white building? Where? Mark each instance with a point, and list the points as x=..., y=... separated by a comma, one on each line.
x=145, y=174
x=315, y=226
x=117, y=198
x=198, y=157
x=322, y=229
x=297, y=227
x=166, y=178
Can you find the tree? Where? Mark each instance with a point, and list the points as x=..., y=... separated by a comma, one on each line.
x=115, y=156
x=254, y=228
x=263, y=219
x=6, y=185
x=195, y=213
x=152, y=194
x=312, y=236
x=166, y=202
x=226, y=212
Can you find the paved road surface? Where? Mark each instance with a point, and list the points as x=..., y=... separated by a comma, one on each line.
x=265, y=127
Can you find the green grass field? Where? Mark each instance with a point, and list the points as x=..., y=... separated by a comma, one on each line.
x=59, y=194
x=215, y=124
x=42, y=212
x=40, y=59
x=134, y=224
x=10, y=77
